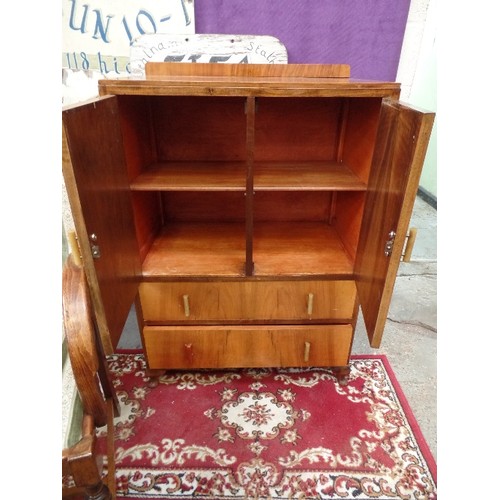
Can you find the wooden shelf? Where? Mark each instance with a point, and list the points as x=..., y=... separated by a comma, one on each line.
x=231, y=176
x=305, y=175
x=283, y=249
x=298, y=249
x=197, y=250
x=189, y=176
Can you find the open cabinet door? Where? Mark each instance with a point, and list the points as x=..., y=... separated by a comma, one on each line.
x=95, y=175
x=402, y=138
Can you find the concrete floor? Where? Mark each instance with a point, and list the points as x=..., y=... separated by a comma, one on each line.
x=410, y=336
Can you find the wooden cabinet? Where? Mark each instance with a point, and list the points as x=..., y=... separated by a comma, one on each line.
x=248, y=210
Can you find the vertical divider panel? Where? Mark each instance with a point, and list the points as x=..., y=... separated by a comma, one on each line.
x=249, y=192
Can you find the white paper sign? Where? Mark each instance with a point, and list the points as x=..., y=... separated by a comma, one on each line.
x=236, y=49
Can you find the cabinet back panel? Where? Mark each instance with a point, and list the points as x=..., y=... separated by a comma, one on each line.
x=360, y=133
x=292, y=206
x=203, y=206
x=200, y=128
x=297, y=129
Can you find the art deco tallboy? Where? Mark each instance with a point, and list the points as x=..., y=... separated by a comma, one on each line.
x=248, y=210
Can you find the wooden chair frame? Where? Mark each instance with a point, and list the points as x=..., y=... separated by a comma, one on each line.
x=98, y=397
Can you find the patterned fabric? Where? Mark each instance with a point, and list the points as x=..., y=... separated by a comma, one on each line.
x=267, y=434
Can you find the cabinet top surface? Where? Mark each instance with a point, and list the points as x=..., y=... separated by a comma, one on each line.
x=307, y=80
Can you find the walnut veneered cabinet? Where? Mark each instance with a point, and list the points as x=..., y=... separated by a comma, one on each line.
x=247, y=210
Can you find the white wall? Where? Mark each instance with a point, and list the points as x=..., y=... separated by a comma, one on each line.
x=417, y=75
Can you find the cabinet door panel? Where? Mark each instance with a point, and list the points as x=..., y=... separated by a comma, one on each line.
x=400, y=148
x=95, y=176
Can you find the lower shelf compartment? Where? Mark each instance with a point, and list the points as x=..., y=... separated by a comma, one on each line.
x=299, y=249
x=197, y=249
x=294, y=249
x=179, y=347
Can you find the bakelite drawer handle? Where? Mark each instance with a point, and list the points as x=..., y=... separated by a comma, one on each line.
x=185, y=299
x=410, y=243
x=310, y=303
x=307, y=350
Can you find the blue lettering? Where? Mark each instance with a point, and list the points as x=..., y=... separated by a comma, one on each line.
x=100, y=31
x=83, y=22
x=102, y=65
x=85, y=61
x=127, y=30
x=149, y=17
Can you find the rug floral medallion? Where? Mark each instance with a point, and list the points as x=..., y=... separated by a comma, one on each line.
x=267, y=434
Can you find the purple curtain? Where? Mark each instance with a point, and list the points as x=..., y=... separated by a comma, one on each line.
x=367, y=34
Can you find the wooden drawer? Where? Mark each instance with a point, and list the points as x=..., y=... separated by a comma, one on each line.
x=190, y=347
x=248, y=300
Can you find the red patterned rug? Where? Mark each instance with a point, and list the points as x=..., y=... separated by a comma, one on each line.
x=268, y=434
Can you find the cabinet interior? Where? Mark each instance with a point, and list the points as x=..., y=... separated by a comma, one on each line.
x=244, y=186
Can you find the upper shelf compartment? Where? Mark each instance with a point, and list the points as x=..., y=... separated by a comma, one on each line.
x=230, y=176
x=192, y=176
x=305, y=176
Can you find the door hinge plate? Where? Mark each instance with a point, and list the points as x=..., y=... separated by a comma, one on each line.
x=389, y=244
x=94, y=247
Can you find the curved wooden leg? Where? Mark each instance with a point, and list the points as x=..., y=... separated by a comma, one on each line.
x=154, y=377
x=85, y=466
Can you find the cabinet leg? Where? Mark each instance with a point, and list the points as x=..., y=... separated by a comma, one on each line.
x=342, y=374
x=97, y=492
x=154, y=377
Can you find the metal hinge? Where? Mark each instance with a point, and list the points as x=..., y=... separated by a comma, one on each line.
x=94, y=247
x=409, y=243
x=389, y=243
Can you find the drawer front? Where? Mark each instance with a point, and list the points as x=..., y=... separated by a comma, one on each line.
x=246, y=346
x=191, y=301
x=248, y=300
